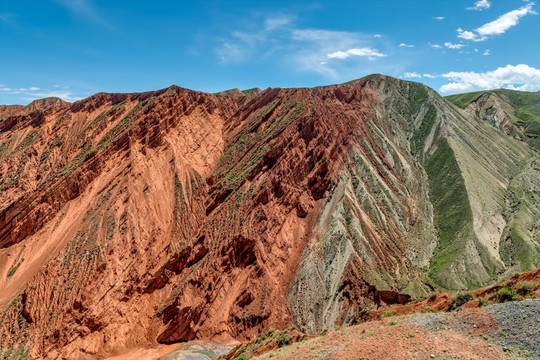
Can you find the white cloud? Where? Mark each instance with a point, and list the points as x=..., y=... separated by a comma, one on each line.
x=486, y=53
x=323, y=51
x=367, y=52
x=439, y=18
x=34, y=92
x=519, y=77
x=469, y=35
x=505, y=21
x=497, y=27
x=436, y=46
x=480, y=5
x=454, y=46
x=406, y=45
x=410, y=75
x=338, y=55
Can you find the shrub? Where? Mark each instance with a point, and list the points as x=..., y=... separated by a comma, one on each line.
x=524, y=287
x=242, y=356
x=506, y=294
x=12, y=271
x=427, y=309
x=389, y=313
x=481, y=301
x=284, y=339
x=460, y=299
x=392, y=322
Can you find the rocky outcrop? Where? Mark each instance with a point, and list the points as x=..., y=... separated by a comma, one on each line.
x=491, y=109
x=167, y=216
x=516, y=113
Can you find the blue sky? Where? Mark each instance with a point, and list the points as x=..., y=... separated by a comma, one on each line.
x=75, y=48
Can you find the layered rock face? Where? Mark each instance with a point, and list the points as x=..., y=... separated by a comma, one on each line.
x=131, y=219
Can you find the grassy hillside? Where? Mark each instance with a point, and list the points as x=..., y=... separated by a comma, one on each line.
x=523, y=109
x=452, y=211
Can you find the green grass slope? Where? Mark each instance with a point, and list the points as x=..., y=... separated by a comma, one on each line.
x=523, y=108
x=474, y=172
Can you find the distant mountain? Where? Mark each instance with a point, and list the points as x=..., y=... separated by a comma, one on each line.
x=173, y=215
x=515, y=112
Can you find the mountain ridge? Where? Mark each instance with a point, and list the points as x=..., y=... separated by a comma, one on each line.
x=190, y=213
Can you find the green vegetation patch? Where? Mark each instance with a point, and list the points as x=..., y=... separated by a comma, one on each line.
x=518, y=247
x=452, y=214
x=12, y=271
x=463, y=100
x=418, y=94
x=506, y=294
x=419, y=137
x=526, y=107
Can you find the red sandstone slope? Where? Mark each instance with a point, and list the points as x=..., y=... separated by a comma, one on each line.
x=130, y=219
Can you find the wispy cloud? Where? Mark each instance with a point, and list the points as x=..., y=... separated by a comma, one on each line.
x=86, y=9
x=518, y=77
x=499, y=26
x=330, y=53
x=439, y=18
x=454, y=46
x=436, y=46
x=35, y=92
x=9, y=18
x=486, y=52
x=239, y=46
x=64, y=95
x=429, y=76
x=480, y=5
x=406, y=45
x=275, y=22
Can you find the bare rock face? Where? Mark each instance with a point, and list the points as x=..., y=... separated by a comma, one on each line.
x=489, y=108
x=168, y=216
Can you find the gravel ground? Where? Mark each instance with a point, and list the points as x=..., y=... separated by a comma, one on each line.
x=520, y=323
x=430, y=322
x=514, y=325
